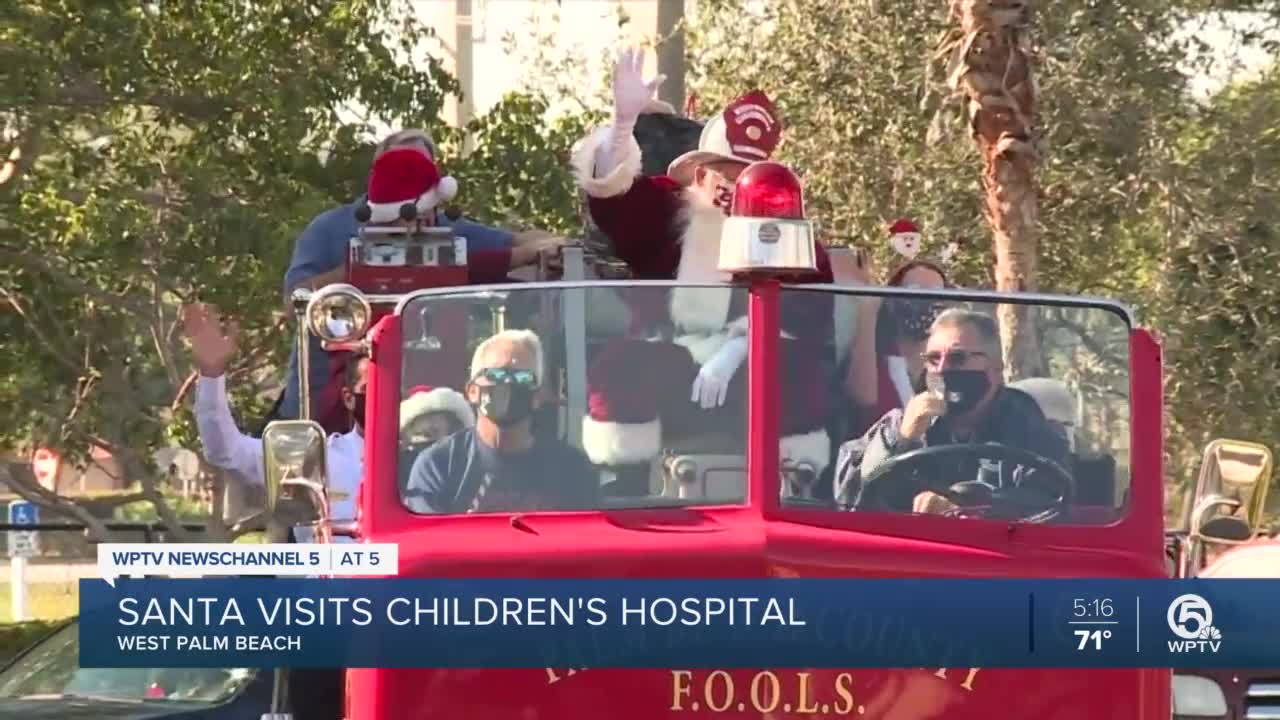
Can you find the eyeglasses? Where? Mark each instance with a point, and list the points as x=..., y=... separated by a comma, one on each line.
x=501, y=375
x=954, y=357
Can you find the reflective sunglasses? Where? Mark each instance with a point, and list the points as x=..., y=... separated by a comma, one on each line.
x=501, y=375
x=955, y=357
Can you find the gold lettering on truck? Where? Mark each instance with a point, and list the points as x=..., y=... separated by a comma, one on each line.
x=768, y=691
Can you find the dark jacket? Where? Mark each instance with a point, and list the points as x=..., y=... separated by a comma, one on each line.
x=1015, y=419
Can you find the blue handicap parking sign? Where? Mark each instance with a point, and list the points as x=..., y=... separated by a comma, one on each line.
x=23, y=543
x=22, y=512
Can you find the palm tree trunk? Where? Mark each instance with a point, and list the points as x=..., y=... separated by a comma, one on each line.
x=991, y=68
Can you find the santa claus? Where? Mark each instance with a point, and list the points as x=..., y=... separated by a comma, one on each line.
x=669, y=227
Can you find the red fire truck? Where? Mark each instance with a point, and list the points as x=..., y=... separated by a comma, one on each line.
x=726, y=503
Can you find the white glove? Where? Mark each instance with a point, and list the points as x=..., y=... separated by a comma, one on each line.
x=711, y=387
x=630, y=92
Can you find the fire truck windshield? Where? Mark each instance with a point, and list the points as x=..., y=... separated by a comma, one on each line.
x=611, y=396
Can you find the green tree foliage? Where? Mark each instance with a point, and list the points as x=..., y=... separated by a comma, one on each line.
x=163, y=152
x=1144, y=198
x=1219, y=303
x=537, y=190
x=883, y=138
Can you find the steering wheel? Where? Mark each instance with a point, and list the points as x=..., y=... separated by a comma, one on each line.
x=909, y=474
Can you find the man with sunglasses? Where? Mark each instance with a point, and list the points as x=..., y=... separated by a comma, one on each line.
x=967, y=402
x=668, y=227
x=501, y=464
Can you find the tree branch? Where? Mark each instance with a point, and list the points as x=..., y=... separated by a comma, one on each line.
x=1089, y=342
x=21, y=479
x=82, y=92
x=61, y=354
x=37, y=263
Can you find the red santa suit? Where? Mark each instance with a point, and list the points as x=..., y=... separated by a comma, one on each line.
x=639, y=389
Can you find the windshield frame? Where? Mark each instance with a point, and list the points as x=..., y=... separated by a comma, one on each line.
x=384, y=515
x=955, y=294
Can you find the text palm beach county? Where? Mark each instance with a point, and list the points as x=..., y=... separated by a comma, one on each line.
x=446, y=611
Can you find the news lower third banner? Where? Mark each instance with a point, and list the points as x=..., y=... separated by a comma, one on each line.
x=819, y=623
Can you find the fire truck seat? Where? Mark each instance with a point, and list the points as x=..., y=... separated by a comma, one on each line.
x=1095, y=473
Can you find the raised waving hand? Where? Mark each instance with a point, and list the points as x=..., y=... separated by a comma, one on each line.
x=630, y=91
x=211, y=346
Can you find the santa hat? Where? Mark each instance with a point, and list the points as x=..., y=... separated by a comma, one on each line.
x=404, y=184
x=747, y=131
x=622, y=424
x=904, y=236
x=424, y=400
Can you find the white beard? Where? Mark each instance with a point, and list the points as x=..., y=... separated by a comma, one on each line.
x=700, y=310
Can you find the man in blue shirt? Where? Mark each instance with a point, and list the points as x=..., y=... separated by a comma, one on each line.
x=319, y=259
x=500, y=464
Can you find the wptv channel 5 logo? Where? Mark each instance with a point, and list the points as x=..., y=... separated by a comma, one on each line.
x=1191, y=619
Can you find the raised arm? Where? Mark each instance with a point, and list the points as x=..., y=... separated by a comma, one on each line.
x=224, y=445
x=211, y=348
x=636, y=212
x=862, y=376
x=493, y=265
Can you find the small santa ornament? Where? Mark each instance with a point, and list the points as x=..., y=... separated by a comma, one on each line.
x=904, y=236
x=404, y=184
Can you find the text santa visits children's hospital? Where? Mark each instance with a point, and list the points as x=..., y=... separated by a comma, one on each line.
x=477, y=611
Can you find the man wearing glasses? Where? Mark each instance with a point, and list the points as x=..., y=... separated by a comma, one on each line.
x=501, y=465
x=967, y=402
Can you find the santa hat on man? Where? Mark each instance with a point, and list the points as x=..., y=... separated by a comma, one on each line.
x=425, y=400
x=747, y=131
x=404, y=184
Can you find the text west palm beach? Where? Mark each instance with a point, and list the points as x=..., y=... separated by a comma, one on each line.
x=208, y=612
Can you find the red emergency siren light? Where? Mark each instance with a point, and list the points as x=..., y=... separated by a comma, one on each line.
x=768, y=190
x=766, y=231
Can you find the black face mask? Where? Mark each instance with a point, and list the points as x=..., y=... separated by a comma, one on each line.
x=962, y=389
x=358, y=408
x=913, y=317
x=506, y=403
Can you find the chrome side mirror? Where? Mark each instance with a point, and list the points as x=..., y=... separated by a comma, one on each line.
x=1226, y=529
x=295, y=461
x=1217, y=529
x=1198, y=520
